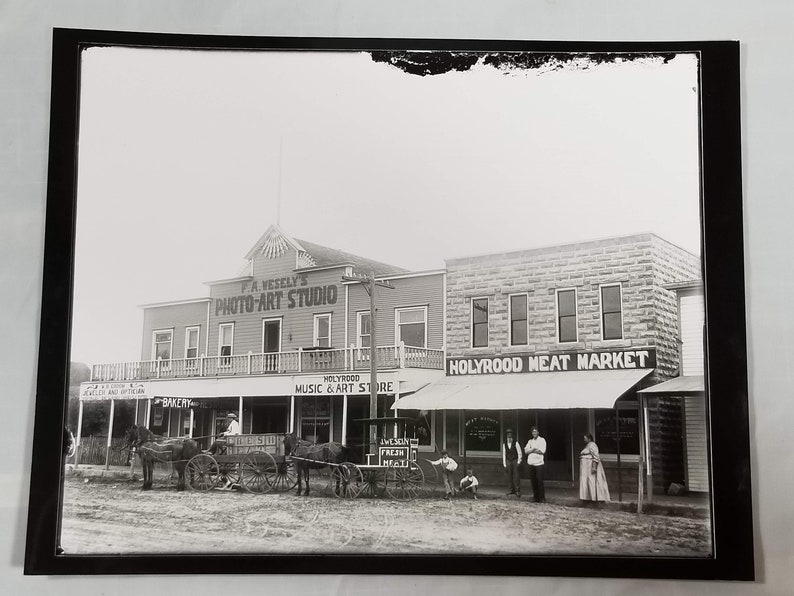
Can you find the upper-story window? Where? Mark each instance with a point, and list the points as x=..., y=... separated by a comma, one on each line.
x=162, y=343
x=518, y=320
x=363, y=333
x=611, y=312
x=225, y=341
x=411, y=326
x=566, y=316
x=191, y=342
x=479, y=322
x=322, y=330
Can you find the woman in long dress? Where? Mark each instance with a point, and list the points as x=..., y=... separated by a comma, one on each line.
x=592, y=480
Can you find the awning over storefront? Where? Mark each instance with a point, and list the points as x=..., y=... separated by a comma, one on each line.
x=581, y=389
x=678, y=386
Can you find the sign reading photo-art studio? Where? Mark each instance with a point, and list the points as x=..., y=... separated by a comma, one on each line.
x=558, y=362
x=289, y=292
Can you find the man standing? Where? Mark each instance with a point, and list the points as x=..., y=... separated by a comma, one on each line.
x=511, y=460
x=536, y=450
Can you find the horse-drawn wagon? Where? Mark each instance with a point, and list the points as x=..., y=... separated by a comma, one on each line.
x=252, y=462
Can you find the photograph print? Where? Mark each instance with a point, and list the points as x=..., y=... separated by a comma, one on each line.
x=388, y=300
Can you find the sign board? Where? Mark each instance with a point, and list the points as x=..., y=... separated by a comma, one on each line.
x=272, y=443
x=106, y=391
x=397, y=453
x=345, y=384
x=556, y=362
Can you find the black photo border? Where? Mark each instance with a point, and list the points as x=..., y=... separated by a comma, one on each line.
x=723, y=268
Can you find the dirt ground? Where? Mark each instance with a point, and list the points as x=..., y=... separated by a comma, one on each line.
x=116, y=517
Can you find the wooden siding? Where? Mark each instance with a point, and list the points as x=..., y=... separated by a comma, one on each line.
x=285, y=303
x=692, y=320
x=421, y=291
x=697, y=475
x=177, y=317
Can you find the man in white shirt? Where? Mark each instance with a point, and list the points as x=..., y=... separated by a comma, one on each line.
x=232, y=429
x=536, y=450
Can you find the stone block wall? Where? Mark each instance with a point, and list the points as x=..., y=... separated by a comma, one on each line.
x=642, y=264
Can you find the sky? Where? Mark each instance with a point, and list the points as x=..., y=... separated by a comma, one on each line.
x=187, y=157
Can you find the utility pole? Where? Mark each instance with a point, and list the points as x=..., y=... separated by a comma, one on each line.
x=369, y=283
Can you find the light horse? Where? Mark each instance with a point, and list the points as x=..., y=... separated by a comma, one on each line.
x=318, y=456
x=176, y=451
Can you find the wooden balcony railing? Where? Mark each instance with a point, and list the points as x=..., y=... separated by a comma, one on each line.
x=296, y=361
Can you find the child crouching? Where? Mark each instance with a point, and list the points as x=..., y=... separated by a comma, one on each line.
x=469, y=483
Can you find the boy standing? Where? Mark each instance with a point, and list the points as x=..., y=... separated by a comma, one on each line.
x=448, y=466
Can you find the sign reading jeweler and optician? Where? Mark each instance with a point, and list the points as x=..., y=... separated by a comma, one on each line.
x=557, y=362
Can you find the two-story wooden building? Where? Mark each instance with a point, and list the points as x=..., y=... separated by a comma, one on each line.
x=562, y=338
x=286, y=345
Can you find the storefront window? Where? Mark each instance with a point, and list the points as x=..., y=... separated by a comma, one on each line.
x=421, y=428
x=483, y=430
x=316, y=420
x=606, y=431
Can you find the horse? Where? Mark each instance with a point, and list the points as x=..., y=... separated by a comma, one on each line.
x=176, y=451
x=319, y=455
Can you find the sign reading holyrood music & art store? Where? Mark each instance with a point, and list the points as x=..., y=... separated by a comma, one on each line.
x=557, y=362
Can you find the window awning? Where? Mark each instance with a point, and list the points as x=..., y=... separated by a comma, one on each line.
x=691, y=385
x=563, y=390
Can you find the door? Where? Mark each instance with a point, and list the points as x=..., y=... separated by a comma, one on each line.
x=271, y=343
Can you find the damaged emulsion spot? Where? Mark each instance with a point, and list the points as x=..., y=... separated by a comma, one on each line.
x=435, y=63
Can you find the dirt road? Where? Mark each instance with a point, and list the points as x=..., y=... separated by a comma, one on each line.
x=102, y=517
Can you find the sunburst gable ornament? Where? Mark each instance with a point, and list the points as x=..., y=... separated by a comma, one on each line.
x=274, y=245
x=305, y=260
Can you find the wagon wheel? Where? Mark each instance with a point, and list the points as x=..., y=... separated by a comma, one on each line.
x=432, y=485
x=374, y=483
x=404, y=484
x=254, y=470
x=346, y=481
x=202, y=472
x=282, y=477
x=228, y=474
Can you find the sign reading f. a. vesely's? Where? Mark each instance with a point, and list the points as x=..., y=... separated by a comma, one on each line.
x=557, y=362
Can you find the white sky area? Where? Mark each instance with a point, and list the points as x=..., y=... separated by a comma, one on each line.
x=183, y=156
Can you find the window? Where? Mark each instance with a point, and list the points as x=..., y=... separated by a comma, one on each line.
x=479, y=322
x=422, y=428
x=611, y=317
x=161, y=344
x=271, y=335
x=322, y=331
x=363, y=330
x=411, y=326
x=191, y=342
x=225, y=342
x=518, y=320
x=316, y=419
x=566, y=315
x=606, y=431
x=483, y=431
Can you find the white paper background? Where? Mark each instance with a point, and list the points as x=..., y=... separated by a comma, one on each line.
x=765, y=30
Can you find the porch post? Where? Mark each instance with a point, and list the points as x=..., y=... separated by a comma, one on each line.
x=344, y=420
x=648, y=463
x=110, y=432
x=292, y=414
x=192, y=420
x=148, y=413
x=79, y=434
x=640, y=464
x=240, y=412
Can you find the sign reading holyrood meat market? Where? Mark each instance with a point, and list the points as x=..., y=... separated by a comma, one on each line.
x=558, y=362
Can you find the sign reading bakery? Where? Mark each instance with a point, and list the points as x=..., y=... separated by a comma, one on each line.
x=558, y=362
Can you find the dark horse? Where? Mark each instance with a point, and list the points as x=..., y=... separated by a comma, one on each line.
x=313, y=456
x=176, y=451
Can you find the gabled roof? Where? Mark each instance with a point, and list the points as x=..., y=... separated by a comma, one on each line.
x=275, y=242
x=324, y=256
